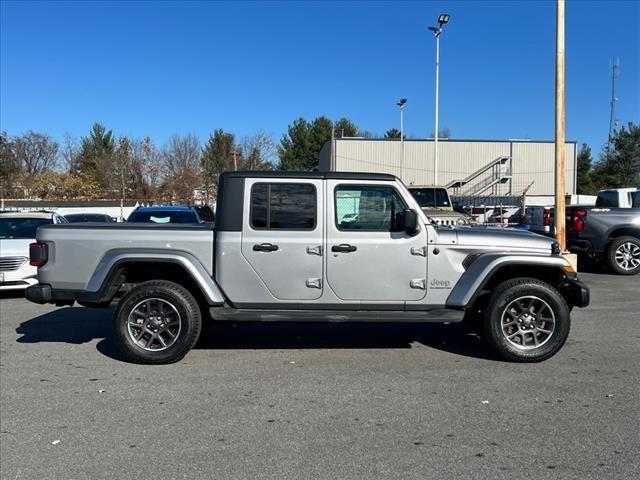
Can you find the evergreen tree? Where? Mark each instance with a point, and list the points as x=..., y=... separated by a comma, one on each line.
x=392, y=133
x=95, y=160
x=217, y=157
x=300, y=148
x=345, y=128
x=620, y=167
x=585, y=184
x=295, y=150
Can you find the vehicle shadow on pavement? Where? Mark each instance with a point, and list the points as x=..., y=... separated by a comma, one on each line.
x=78, y=325
x=66, y=325
x=451, y=338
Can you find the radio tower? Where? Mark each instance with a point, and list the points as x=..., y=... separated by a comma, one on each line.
x=613, y=123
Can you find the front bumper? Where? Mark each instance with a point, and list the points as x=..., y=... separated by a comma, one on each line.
x=20, y=284
x=576, y=293
x=18, y=279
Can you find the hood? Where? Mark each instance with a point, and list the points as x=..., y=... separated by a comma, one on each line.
x=504, y=239
x=15, y=247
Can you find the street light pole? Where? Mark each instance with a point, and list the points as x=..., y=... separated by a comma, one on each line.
x=401, y=104
x=435, y=135
x=437, y=31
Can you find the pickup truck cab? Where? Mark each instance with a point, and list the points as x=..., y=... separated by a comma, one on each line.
x=306, y=247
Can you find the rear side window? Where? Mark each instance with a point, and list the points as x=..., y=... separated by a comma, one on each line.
x=283, y=206
x=636, y=199
x=607, y=199
x=368, y=208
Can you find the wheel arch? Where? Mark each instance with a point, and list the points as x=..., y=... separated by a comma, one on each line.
x=623, y=231
x=118, y=267
x=489, y=270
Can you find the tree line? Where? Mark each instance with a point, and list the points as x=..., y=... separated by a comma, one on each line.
x=101, y=165
x=618, y=164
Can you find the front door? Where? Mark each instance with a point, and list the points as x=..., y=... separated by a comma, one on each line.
x=367, y=258
x=282, y=236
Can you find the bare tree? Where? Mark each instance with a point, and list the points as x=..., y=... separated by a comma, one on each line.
x=9, y=168
x=70, y=152
x=36, y=153
x=259, y=151
x=181, y=158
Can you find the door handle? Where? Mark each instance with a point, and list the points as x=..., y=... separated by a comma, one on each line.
x=344, y=248
x=265, y=247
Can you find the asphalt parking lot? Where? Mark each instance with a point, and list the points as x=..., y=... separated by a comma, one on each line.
x=332, y=401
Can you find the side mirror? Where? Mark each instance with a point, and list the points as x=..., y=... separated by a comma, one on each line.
x=408, y=221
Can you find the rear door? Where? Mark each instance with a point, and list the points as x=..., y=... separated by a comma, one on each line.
x=367, y=260
x=282, y=235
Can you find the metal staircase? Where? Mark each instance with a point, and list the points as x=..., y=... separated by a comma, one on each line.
x=492, y=174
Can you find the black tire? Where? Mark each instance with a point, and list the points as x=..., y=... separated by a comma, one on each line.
x=180, y=305
x=511, y=293
x=612, y=262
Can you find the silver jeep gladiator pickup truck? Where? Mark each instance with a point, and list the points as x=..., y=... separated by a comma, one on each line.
x=308, y=247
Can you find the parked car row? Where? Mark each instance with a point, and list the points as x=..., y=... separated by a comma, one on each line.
x=18, y=231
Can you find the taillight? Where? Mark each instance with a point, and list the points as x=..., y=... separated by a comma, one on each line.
x=546, y=216
x=578, y=220
x=38, y=254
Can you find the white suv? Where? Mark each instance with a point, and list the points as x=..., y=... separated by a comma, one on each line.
x=17, y=231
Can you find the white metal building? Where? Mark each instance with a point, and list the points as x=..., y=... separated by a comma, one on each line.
x=467, y=167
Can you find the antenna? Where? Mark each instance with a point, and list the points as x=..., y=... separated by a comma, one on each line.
x=614, y=66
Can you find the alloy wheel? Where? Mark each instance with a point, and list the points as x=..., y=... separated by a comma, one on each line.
x=154, y=324
x=528, y=322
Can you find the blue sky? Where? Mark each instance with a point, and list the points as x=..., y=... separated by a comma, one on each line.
x=162, y=68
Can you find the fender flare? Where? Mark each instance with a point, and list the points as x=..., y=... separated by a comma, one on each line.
x=483, y=268
x=98, y=286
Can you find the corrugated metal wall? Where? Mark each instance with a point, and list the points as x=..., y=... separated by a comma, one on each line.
x=531, y=161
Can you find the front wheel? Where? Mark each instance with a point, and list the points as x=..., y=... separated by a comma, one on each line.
x=157, y=322
x=527, y=320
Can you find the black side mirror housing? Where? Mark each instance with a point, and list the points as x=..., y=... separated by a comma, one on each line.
x=408, y=221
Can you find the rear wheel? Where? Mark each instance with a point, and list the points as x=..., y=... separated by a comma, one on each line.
x=157, y=322
x=527, y=320
x=623, y=255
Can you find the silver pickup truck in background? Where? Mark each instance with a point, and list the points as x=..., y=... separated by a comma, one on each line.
x=308, y=247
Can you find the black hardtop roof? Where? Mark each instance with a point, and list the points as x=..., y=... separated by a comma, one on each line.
x=318, y=175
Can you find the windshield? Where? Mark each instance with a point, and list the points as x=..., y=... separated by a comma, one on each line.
x=21, y=227
x=431, y=197
x=160, y=216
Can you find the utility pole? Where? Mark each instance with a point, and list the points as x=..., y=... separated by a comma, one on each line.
x=560, y=132
x=437, y=31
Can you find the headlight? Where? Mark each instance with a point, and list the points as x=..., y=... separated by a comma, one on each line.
x=461, y=221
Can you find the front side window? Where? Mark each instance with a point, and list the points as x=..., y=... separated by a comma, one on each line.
x=368, y=208
x=283, y=206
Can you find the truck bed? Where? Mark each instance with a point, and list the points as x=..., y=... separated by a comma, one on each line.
x=77, y=252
